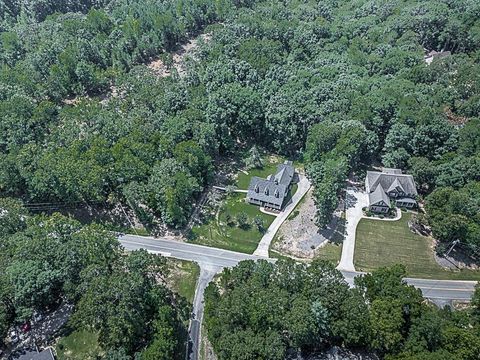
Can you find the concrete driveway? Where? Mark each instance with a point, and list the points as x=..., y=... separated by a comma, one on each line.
x=264, y=245
x=355, y=200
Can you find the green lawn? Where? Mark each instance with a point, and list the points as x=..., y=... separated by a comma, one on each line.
x=79, y=345
x=216, y=232
x=331, y=252
x=243, y=180
x=183, y=278
x=384, y=243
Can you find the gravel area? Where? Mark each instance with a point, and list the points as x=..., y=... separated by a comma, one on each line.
x=299, y=236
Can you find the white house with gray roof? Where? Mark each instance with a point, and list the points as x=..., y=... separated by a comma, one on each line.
x=390, y=184
x=272, y=191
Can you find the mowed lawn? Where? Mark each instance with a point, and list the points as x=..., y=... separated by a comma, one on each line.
x=384, y=243
x=216, y=232
x=330, y=252
x=269, y=167
x=79, y=345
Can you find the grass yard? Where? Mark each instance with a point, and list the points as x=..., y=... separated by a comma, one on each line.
x=331, y=252
x=384, y=243
x=216, y=232
x=79, y=345
x=183, y=277
x=270, y=164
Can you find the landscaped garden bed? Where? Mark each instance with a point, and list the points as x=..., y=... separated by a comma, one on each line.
x=233, y=225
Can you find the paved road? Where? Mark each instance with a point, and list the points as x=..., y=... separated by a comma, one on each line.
x=354, y=202
x=264, y=244
x=203, y=255
x=213, y=260
x=207, y=272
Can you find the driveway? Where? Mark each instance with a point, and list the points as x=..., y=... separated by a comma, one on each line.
x=264, y=245
x=354, y=202
x=212, y=261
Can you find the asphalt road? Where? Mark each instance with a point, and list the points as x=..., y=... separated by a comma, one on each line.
x=213, y=260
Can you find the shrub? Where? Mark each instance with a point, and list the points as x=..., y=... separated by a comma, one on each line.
x=259, y=223
x=242, y=220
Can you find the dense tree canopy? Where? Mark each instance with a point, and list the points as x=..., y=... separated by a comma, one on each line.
x=272, y=74
x=340, y=82
x=264, y=311
x=47, y=260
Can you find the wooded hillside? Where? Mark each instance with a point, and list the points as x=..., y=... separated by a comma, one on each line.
x=269, y=74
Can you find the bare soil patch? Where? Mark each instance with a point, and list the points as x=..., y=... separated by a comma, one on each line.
x=163, y=65
x=300, y=237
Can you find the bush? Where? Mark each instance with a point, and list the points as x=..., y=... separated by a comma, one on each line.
x=259, y=223
x=441, y=248
x=242, y=220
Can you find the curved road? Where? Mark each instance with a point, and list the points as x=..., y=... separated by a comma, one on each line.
x=213, y=260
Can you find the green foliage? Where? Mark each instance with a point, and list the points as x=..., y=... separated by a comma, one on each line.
x=254, y=159
x=285, y=302
x=259, y=223
x=47, y=260
x=12, y=216
x=242, y=219
x=331, y=150
x=453, y=214
x=118, y=304
x=302, y=309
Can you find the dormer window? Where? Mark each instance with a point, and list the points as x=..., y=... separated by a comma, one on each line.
x=256, y=188
x=277, y=194
x=266, y=191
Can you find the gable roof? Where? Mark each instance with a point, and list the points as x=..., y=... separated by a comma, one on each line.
x=385, y=180
x=46, y=354
x=395, y=185
x=266, y=191
x=272, y=189
x=285, y=173
x=378, y=195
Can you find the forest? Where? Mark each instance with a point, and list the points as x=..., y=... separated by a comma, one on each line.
x=124, y=299
x=268, y=311
x=82, y=119
x=339, y=84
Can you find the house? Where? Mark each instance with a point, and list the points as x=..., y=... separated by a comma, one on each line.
x=387, y=185
x=46, y=354
x=272, y=191
x=435, y=55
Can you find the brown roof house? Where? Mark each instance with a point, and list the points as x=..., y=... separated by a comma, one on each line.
x=387, y=186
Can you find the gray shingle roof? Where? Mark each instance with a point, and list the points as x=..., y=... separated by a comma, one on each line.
x=395, y=186
x=285, y=173
x=264, y=190
x=33, y=355
x=273, y=189
x=385, y=180
x=378, y=195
